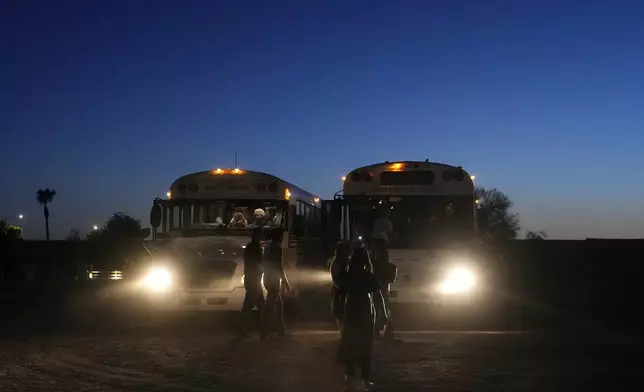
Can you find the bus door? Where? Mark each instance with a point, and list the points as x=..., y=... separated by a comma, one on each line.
x=334, y=222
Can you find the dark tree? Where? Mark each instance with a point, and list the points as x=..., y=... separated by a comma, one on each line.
x=44, y=197
x=10, y=232
x=117, y=240
x=122, y=227
x=536, y=235
x=74, y=235
x=495, y=220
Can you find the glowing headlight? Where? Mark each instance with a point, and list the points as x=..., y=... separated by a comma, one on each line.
x=158, y=279
x=458, y=281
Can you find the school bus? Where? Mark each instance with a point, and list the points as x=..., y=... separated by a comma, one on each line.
x=426, y=211
x=201, y=228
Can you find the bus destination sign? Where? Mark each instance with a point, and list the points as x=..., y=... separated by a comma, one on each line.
x=227, y=184
x=407, y=190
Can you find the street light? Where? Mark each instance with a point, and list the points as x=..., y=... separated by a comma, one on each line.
x=95, y=227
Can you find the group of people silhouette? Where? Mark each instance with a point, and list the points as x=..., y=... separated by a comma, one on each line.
x=264, y=266
x=360, y=300
x=360, y=305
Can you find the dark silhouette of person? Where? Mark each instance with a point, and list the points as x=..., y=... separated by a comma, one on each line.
x=360, y=285
x=253, y=255
x=339, y=264
x=386, y=273
x=275, y=281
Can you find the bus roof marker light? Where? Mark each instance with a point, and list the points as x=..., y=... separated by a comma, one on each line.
x=287, y=194
x=344, y=178
x=473, y=177
x=396, y=166
x=169, y=194
x=316, y=199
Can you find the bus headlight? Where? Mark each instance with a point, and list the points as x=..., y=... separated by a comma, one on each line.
x=458, y=280
x=158, y=279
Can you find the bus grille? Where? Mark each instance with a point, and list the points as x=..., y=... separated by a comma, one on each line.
x=213, y=274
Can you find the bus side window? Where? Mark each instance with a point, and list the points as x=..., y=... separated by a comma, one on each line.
x=176, y=216
x=299, y=221
x=289, y=217
x=313, y=221
x=315, y=216
x=307, y=220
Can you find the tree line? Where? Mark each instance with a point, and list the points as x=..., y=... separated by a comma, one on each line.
x=495, y=218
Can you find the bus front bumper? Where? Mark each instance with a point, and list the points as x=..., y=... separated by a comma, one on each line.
x=198, y=300
x=415, y=295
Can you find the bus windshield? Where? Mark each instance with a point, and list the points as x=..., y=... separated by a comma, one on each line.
x=415, y=221
x=240, y=214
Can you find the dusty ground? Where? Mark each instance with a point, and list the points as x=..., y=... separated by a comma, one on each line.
x=58, y=345
x=424, y=361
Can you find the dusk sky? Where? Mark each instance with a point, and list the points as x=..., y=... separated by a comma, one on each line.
x=109, y=102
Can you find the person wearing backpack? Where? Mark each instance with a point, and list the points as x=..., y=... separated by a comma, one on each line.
x=360, y=285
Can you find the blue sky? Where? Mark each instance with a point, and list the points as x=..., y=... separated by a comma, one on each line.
x=109, y=101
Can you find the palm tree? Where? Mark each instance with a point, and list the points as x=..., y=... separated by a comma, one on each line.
x=493, y=213
x=44, y=197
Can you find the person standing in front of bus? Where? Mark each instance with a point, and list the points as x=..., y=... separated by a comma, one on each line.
x=275, y=281
x=253, y=254
x=386, y=273
x=382, y=227
x=337, y=266
x=360, y=285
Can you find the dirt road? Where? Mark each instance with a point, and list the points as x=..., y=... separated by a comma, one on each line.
x=424, y=361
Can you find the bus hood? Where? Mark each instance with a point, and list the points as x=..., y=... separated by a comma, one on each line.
x=213, y=262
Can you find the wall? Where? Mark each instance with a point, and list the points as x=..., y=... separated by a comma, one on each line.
x=592, y=283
